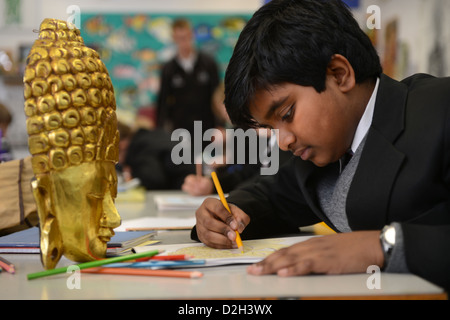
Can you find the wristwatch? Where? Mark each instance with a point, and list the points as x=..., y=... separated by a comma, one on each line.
x=387, y=239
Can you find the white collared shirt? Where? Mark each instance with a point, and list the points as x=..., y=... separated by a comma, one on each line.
x=366, y=120
x=187, y=63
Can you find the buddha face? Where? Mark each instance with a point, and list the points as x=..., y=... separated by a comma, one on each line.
x=73, y=140
x=76, y=208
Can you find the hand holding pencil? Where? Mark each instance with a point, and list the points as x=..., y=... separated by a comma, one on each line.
x=225, y=204
x=218, y=224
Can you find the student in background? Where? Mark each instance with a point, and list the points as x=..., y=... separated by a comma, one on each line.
x=188, y=82
x=5, y=121
x=306, y=68
x=235, y=175
x=231, y=176
x=145, y=153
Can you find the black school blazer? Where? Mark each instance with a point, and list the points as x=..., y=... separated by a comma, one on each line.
x=403, y=176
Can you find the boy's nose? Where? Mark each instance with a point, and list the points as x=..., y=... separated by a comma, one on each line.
x=285, y=139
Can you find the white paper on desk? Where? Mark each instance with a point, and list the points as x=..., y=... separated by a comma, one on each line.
x=254, y=250
x=157, y=223
x=180, y=202
x=127, y=185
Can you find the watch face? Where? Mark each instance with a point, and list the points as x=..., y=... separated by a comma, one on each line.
x=389, y=235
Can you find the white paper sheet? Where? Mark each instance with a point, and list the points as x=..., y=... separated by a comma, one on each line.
x=157, y=223
x=254, y=250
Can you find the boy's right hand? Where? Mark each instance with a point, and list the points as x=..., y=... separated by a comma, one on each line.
x=216, y=226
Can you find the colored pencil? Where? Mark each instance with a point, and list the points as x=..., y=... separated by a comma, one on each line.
x=7, y=266
x=145, y=272
x=166, y=258
x=93, y=264
x=225, y=204
x=159, y=264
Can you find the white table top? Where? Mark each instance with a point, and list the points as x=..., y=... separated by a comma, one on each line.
x=217, y=283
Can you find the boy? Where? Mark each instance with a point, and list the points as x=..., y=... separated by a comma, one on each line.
x=305, y=67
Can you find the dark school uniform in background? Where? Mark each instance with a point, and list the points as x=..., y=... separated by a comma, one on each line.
x=149, y=157
x=186, y=97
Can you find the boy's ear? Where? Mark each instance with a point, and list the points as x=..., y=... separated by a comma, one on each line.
x=50, y=236
x=342, y=72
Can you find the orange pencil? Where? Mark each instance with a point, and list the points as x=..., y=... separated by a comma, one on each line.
x=145, y=272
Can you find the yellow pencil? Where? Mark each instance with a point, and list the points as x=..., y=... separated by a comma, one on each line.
x=225, y=204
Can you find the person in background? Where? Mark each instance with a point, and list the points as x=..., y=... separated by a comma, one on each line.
x=5, y=121
x=145, y=153
x=231, y=176
x=188, y=83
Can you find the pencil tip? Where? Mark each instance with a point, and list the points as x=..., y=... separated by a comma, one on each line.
x=196, y=274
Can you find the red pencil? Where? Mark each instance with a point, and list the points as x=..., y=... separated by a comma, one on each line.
x=145, y=272
x=6, y=265
x=166, y=258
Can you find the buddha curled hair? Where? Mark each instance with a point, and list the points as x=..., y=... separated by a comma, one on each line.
x=69, y=101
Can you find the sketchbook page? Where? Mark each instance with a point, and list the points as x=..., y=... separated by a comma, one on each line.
x=254, y=250
x=180, y=202
x=157, y=223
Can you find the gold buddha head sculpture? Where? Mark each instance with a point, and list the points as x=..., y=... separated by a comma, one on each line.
x=73, y=139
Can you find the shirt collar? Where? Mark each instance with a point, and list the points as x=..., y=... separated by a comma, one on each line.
x=187, y=63
x=366, y=120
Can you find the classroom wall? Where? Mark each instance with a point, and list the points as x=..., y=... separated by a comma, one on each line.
x=12, y=36
x=419, y=31
x=421, y=42
x=34, y=11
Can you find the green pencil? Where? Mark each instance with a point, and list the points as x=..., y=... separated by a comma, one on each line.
x=93, y=264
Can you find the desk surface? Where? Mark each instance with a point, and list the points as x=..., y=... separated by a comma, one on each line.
x=217, y=283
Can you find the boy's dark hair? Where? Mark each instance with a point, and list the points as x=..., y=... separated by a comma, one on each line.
x=293, y=41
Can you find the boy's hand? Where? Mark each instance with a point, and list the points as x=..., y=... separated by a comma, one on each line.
x=334, y=254
x=216, y=227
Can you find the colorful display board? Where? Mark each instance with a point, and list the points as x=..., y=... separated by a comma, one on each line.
x=134, y=46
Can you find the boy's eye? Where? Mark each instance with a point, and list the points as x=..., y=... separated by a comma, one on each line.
x=289, y=113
